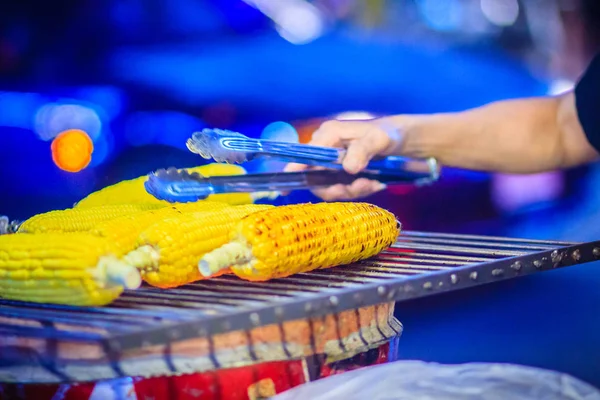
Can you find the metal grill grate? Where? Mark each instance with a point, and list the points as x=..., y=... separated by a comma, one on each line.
x=418, y=264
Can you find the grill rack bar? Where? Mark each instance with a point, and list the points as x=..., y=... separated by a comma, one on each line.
x=419, y=264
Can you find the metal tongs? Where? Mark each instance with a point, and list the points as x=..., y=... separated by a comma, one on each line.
x=231, y=147
x=7, y=226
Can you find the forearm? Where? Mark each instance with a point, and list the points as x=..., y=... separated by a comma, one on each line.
x=517, y=136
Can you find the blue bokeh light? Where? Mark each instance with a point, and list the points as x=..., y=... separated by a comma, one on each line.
x=280, y=132
x=54, y=118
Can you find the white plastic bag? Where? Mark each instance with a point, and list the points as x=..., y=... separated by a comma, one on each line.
x=417, y=380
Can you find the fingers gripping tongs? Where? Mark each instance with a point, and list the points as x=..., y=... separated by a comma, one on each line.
x=234, y=148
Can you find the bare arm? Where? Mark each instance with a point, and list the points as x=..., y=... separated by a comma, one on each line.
x=517, y=136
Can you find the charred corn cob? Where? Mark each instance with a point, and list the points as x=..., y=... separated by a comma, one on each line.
x=80, y=220
x=75, y=269
x=123, y=232
x=169, y=250
x=287, y=240
x=133, y=191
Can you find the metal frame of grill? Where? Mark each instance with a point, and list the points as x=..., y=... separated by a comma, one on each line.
x=418, y=264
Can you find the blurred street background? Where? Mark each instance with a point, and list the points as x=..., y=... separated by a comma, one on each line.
x=140, y=76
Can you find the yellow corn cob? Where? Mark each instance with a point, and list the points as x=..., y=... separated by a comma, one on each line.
x=133, y=191
x=123, y=232
x=169, y=250
x=75, y=269
x=80, y=220
x=287, y=240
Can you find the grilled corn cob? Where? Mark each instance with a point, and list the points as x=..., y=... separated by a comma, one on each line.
x=287, y=240
x=75, y=269
x=123, y=232
x=169, y=250
x=80, y=220
x=133, y=191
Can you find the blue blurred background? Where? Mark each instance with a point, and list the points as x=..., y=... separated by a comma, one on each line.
x=139, y=76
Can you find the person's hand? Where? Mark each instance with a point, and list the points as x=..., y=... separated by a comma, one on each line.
x=362, y=140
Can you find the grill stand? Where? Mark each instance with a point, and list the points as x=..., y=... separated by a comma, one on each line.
x=219, y=322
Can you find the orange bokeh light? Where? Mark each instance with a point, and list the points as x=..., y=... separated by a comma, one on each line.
x=72, y=150
x=305, y=129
